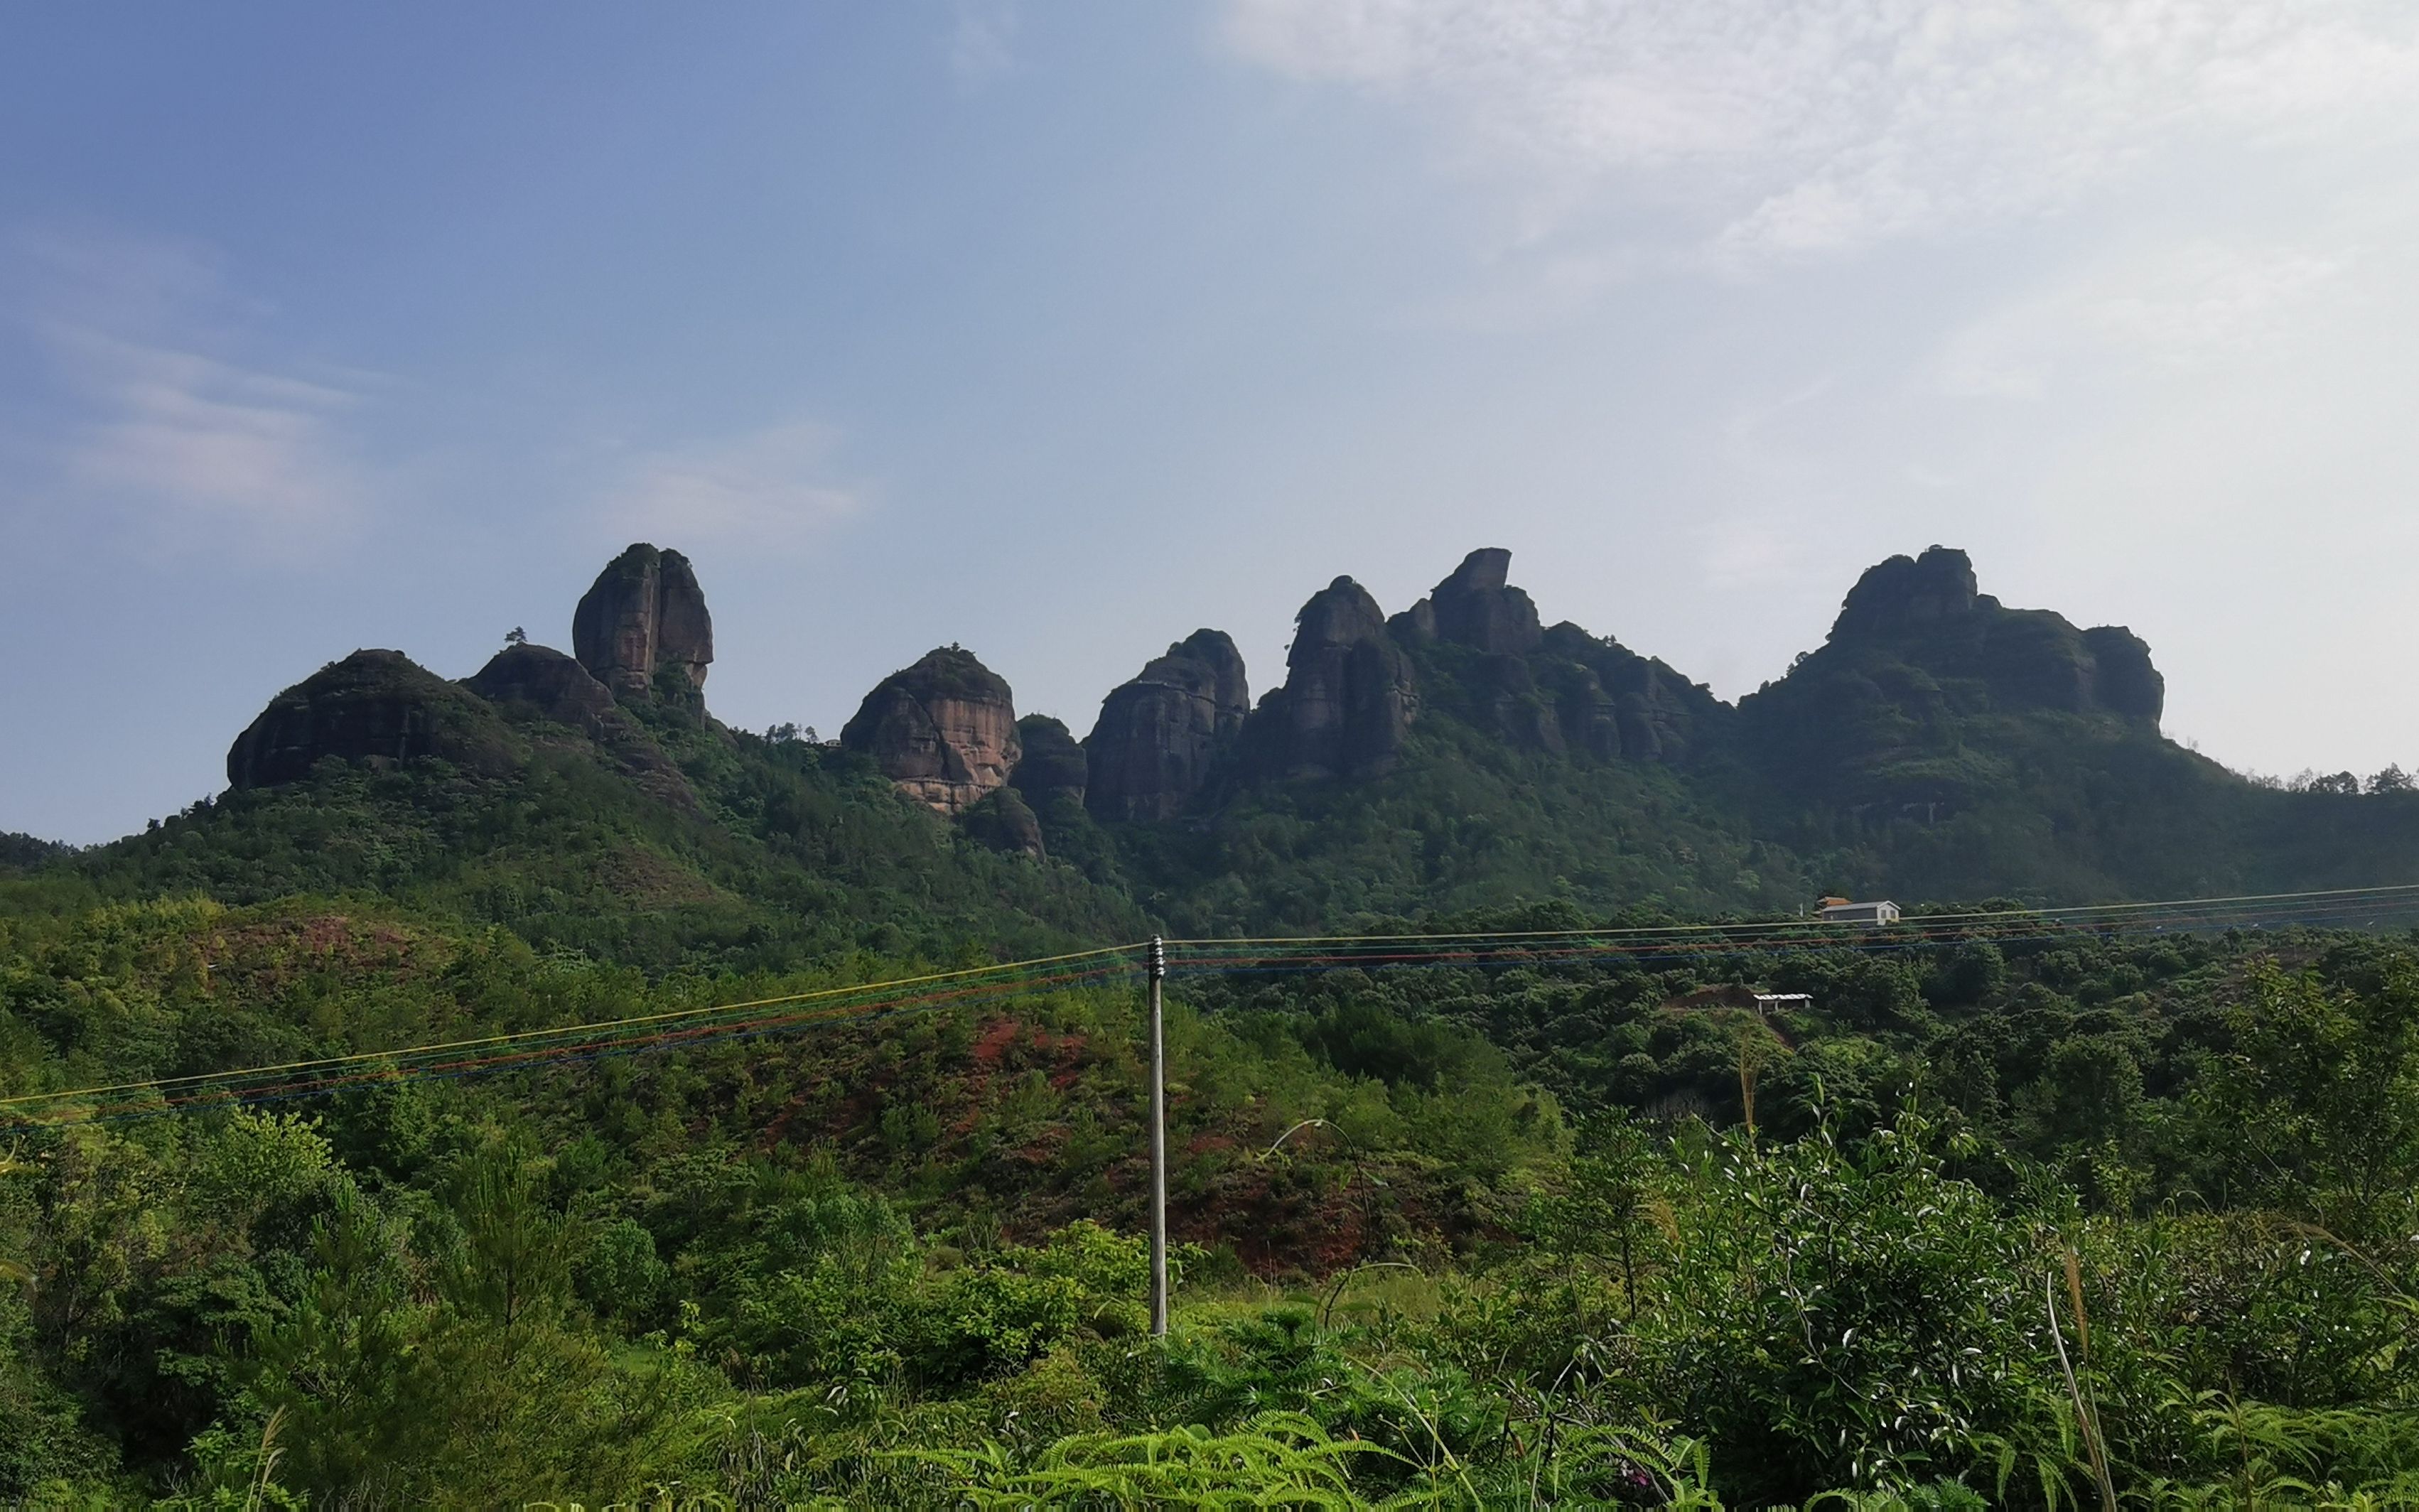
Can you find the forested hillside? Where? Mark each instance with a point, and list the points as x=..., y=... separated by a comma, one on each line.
x=1542, y=1193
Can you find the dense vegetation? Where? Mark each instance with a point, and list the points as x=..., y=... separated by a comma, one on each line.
x=1533, y=1247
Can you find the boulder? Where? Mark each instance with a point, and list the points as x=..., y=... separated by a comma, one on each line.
x=1053, y=765
x=644, y=615
x=1158, y=736
x=1349, y=698
x=943, y=730
x=376, y=707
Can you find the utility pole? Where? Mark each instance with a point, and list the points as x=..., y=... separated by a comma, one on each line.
x=1158, y=1142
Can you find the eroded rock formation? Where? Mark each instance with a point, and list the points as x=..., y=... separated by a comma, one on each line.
x=2126, y=681
x=1929, y=612
x=543, y=681
x=1005, y=822
x=1053, y=766
x=1159, y=735
x=539, y=682
x=645, y=614
x=1348, y=698
x=372, y=706
x=943, y=730
x=1474, y=607
x=1907, y=594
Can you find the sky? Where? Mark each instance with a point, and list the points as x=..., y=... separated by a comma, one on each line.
x=1058, y=331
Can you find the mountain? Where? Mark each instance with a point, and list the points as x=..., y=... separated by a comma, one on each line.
x=1497, y=1226
x=1458, y=755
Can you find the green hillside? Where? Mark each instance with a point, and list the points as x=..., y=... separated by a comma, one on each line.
x=1994, y=1206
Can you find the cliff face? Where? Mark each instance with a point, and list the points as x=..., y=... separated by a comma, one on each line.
x=1475, y=606
x=1929, y=693
x=1348, y=698
x=1482, y=654
x=644, y=614
x=1927, y=612
x=374, y=706
x=944, y=730
x=1159, y=735
x=1053, y=765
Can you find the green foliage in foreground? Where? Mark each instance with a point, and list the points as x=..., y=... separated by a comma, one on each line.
x=2011, y=1212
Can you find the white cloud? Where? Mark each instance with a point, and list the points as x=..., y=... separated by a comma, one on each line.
x=178, y=432
x=769, y=490
x=1816, y=126
x=159, y=413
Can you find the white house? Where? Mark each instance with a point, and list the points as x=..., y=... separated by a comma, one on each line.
x=1884, y=911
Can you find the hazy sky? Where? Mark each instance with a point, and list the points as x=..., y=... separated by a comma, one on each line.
x=1058, y=331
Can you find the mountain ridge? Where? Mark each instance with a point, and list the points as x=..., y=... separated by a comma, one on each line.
x=1457, y=754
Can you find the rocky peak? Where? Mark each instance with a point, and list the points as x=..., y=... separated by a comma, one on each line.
x=372, y=706
x=1152, y=748
x=1906, y=595
x=526, y=680
x=644, y=614
x=943, y=730
x=1926, y=613
x=1349, y=698
x=1474, y=607
x=546, y=682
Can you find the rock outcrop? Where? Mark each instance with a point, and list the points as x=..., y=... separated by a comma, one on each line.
x=1159, y=735
x=372, y=706
x=1005, y=822
x=526, y=682
x=1474, y=607
x=2126, y=681
x=1348, y=698
x=644, y=616
x=943, y=730
x=1052, y=767
x=1928, y=612
x=1906, y=595
x=542, y=681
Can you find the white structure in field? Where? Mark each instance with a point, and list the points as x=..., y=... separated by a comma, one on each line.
x=1884, y=911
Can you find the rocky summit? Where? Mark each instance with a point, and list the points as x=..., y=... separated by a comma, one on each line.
x=944, y=730
x=544, y=682
x=1475, y=606
x=1349, y=696
x=378, y=707
x=1159, y=736
x=642, y=628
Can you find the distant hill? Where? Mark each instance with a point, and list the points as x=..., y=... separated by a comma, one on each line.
x=1456, y=755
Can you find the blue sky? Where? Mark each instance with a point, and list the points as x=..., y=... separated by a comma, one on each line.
x=1058, y=331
